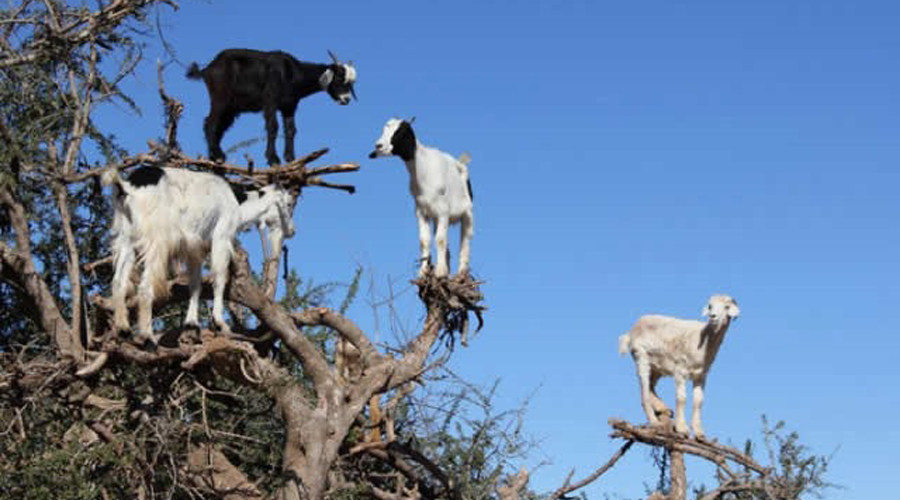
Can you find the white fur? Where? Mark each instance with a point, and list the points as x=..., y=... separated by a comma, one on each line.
x=350, y=73
x=179, y=219
x=438, y=184
x=683, y=349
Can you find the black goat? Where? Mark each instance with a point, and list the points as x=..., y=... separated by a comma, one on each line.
x=241, y=80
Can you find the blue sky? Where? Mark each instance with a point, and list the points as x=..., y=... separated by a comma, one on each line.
x=628, y=158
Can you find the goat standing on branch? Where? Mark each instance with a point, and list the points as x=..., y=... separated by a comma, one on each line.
x=684, y=349
x=243, y=80
x=170, y=214
x=440, y=185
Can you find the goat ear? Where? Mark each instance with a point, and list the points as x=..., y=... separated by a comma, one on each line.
x=733, y=310
x=705, y=312
x=325, y=79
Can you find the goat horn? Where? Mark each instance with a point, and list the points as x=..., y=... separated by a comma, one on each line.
x=411, y=120
x=333, y=57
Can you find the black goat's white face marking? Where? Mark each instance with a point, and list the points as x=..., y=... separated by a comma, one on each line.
x=338, y=81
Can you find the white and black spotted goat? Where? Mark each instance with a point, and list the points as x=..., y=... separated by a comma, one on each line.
x=243, y=80
x=173, y=215
x=439, y=184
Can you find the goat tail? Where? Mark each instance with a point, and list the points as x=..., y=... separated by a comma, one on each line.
x=465, y=158
x=194, y=72
x=624, y=344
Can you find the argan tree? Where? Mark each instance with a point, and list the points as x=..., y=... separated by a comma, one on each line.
x=200, y=414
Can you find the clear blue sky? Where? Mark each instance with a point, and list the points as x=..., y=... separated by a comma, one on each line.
x=628, y=158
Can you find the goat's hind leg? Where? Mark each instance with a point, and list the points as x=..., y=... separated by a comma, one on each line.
x=220, y=257
x=643, y=371
x=440, y=241
x=466, y=230
x=124, y=264
x=214, y=127
x=153, y=277
x=659, y=407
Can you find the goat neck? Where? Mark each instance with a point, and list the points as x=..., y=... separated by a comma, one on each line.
x=305, y=78
x=712, y=335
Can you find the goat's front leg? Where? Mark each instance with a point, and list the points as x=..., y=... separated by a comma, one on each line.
x=271, y=133
x=290, y=131
x=440, y=241
x=424, y=242
x=220, y=257
x=680, y=400
x=698, y=405
x=466, y=231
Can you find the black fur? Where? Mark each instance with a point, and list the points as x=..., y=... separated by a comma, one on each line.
x=243, y=80
x=469, y=185
x=241, y=191
x=403, y=143
x=146, y=176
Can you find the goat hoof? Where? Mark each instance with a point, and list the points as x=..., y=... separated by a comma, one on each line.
x=273, y=160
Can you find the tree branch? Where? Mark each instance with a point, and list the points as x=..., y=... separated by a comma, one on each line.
x=663, y=436
x=567, y=488
x=18, y=268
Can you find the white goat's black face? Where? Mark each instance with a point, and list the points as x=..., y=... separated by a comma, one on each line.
x=721, y=306
x=384, y=145
x=397, y=139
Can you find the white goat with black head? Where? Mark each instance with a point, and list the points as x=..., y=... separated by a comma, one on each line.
x=684, y=349
x=166, y=215
x=439, y=184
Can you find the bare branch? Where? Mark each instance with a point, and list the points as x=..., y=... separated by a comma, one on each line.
x=567, y=488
